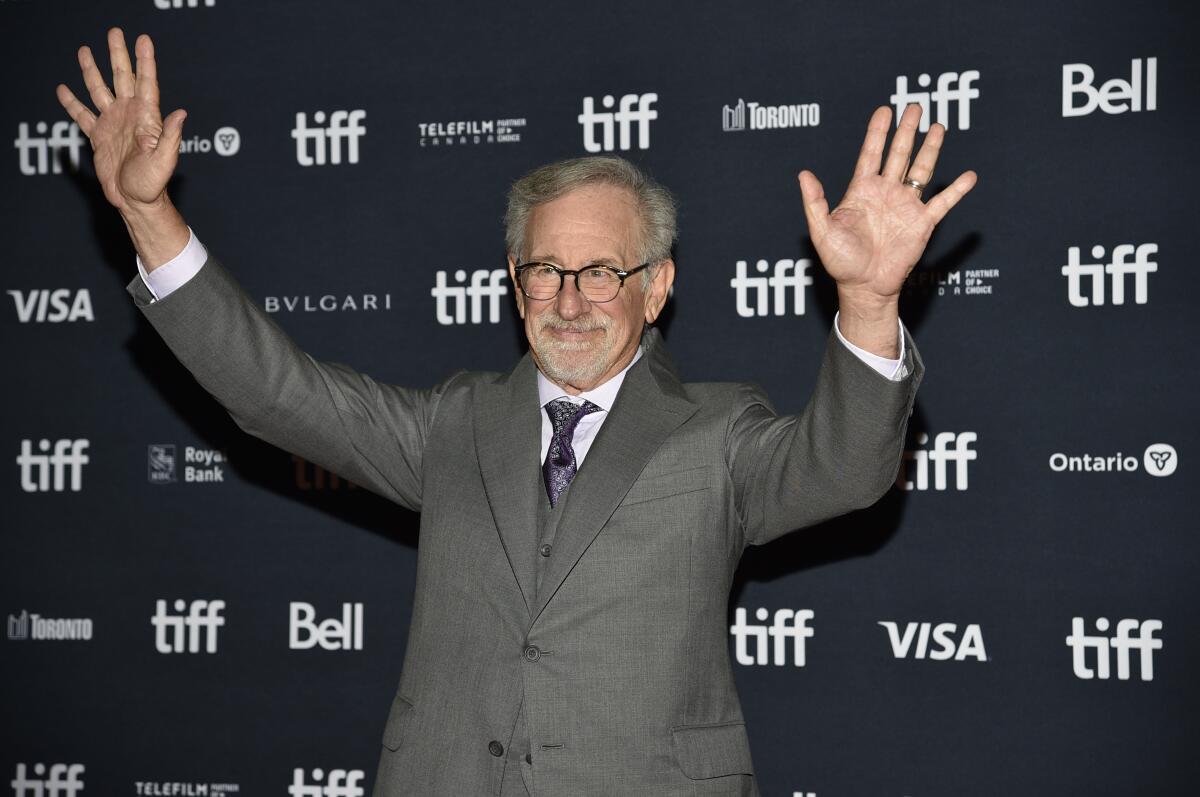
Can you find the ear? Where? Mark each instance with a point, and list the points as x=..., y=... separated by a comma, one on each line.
x=520, y=297
x=659, y=289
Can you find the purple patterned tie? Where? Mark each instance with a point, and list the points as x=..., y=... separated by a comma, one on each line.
x=559, y=468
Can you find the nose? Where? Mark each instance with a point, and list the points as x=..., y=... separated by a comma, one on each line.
x=570, y=303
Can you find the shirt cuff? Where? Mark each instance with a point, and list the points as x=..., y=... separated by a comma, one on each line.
x=894, y=370
x=175, y=272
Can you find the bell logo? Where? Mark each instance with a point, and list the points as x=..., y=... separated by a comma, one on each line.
x=942, y=635
x=787, y=624
x=951, y=87
x=43, y=155
x=1115, y=96
x=1131, y=635
x=622, y=119
x=63, y=781
x=341, y=783
x=331, y=634
x=947, y=447
x=42, y=305
x=327, y=141
x=452, y=300
x=180, y=633
x=770, y=294
x=47, y=472
x=1141, y=267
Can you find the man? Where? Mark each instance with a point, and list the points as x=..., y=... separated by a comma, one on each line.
x=582, y=515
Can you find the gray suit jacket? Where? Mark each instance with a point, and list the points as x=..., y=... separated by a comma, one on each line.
x=621, y=658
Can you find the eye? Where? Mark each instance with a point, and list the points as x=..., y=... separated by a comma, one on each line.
x=597, y=275
x=542, y=270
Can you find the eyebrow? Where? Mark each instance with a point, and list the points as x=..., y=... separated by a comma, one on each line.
x=595, y=261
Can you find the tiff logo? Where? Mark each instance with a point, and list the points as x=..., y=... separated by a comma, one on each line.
x=753, y=297
x=331, y=634
x=1141, y=267
x=786, y=624
x=940, y=456
x=452, y=300
x=54, y=306
x=166, y=5
x=1125, y=641
x=944, y=645
x=169, y=629
x=342, y=125
x=951, y=87
x=35, y=151
x=46, y=472
x=622, y=120
x=341, y=783
x=1110, y=97
x=63, y=781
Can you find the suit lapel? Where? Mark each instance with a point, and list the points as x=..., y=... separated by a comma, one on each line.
x=649, y=407
x=507, y=440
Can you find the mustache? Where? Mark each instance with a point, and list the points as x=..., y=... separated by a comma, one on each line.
x=554, y=321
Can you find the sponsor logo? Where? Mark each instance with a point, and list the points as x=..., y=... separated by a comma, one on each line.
x=1159, y=459
x=1141, y=267
x=1114, y=96
x=616, y=127
x=953, y=282
x=768, y=117
x=452, y=304
x=313, y=477
x=45, y=305
x=952, y=87
x=786, y=624
x=1130, y=635
x=332, y=634
x=47, y=472
x=340, y=783
x=225, y=142
x=167, y=5
x=181, y=633
x=326, y=142
x=328, y=303
x=484, y=131
x=201, y=465
x=762, y=296
x=947, y=447
x=150, y=788
x=160, y=463
x=33, y=626
x=57, y=780
x=43, y=154
x=914, y=642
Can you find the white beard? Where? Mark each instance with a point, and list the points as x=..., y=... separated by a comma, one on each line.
x=560, y=360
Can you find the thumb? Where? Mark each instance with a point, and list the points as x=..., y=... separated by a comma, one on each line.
x=172, y=134
x=816, y=207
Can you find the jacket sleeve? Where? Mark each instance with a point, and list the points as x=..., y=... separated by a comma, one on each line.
x=344, y=421
x=840, y=454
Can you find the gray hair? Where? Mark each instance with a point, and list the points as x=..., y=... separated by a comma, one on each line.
x=656, y=206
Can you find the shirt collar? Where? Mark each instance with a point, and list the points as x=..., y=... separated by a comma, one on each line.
x=602, y=396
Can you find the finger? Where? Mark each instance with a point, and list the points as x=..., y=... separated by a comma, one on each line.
x=147, y=69
x=122, y=70
x=870, y=155
x=97, y=89
x=816, y=207
x=947, y=198
x=922, y=166
x=167, y=152
x=78, y=112
x=902, y=143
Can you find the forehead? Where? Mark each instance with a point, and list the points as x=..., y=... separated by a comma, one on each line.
x=592, y=223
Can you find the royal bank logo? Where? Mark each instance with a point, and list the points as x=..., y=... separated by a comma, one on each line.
x=1113, y=273
x=1130, y=635
x=321, y=144
x=160, y=463
x=1081, y=97
x=953, y=89
x=52, y=305
x=935, y=641
x=952, y=282
x=334, y=633
x=54, y=470
x=192, y=627
x=948, y=447
x=308, y=476
x=30, y=626
x=757, y=116
x=227, y=141
x=780, y=293
x=55, y=780
x=338, y=783
x=616, y=126
x=470, y=132
x=1159, y=459
x=200, y=465
x=770, y=640
x=467, y=294
x=176, y=788
x=54, y=147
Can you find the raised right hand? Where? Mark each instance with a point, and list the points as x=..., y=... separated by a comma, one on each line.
x=134, y=149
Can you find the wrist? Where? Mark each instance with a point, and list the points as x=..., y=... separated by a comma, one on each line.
x=157, y=230
x=870, y=322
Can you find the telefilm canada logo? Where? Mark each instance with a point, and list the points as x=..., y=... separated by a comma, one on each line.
x=952, y=282
x=201, y=465
x=761, y=116
x=183, y=788
x=30, y=626
x=470, y=132
x=1159, y=459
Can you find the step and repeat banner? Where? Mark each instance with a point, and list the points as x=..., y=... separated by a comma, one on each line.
x=191, y=612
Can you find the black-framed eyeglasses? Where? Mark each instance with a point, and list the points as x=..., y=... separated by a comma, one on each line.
x=597, y=283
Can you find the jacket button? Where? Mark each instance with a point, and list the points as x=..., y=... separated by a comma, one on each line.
x=495, y=748
x=545, y=548
x=532, y=653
